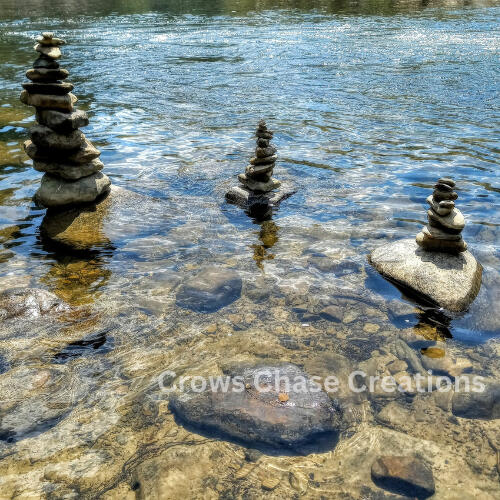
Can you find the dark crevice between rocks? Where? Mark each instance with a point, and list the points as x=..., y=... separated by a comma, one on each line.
x=97, y=343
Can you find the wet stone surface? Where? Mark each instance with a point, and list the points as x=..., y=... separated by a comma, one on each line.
x=29, y=303
x=210, y=290
x=280, y=415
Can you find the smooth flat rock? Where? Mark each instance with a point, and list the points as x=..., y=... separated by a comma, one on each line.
x=56, y=192
x=45, y=138
x=247, y=199
x=278, y=415
x=60, y=102
x=47, y=74
x=69, y=171
x=85, y=154
x=50, y=51
x=210, y=290
x=48, y=88
x=259, y=186
x=29, y=303
x=405, y=475
x=62, y=123
x=450, y=281
x=45, y=62
x=454, y=220
x=478, y=404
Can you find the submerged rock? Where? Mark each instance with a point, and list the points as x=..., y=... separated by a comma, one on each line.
x=481, y=404
x=405, y=475
x=247, y=414
x=451, y=281
x=29, y=303
x=210, y=290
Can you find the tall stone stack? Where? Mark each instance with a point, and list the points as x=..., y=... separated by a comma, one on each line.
x=57, y=147
x=258, y=175
x=445, y=222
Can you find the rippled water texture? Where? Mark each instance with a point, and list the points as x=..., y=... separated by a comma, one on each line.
x=370, y=104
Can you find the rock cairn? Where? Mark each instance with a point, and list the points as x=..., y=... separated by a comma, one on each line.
x=258, y=175
x=443, y=231
x=56, y=146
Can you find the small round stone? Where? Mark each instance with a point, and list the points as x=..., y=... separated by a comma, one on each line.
x=441, y=186
x=446, y=180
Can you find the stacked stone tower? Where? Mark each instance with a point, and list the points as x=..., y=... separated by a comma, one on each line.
x=258, y=175
x=56, y=146
x=443, y=231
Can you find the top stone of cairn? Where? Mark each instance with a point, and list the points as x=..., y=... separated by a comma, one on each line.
x=445, y=222
x=258, y=175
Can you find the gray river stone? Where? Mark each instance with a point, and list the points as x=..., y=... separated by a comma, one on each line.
x=69, y=171
x=55, y=192
x=47, y=74
x=47, y=101
x=210, y=290
x=48, y=88
x=405, y=475
x=450, y=281
x=274, y=415
x=481, y=404
x=45, y=138
x=29, y=303
x=62, y=122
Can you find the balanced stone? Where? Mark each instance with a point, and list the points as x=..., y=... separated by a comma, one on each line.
x=445, y=222
x=48, y=39
x=69, y=171
x=47, y=75
x=55, y=192
x=46, y=62
x=85, y=154
x=45, y=138
x=263, y=161
x=48, y=51
x=60, y=102
x=48, y=88
x=265, y=152
x=62, y=122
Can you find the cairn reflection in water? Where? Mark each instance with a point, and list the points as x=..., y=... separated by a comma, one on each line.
x=268, y=236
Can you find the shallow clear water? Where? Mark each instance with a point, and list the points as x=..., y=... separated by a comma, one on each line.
x=370, y=104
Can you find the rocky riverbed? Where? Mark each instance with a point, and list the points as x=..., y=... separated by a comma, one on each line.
x=104, y=310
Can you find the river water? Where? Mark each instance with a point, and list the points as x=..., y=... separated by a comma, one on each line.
x=370, y=103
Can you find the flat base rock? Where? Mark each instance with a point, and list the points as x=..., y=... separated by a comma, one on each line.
x=404, y=475
x=29, y=303
x=210, y=290
x=258, y=407
x=56, y=192
x=247, y=199
x=450, y=281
